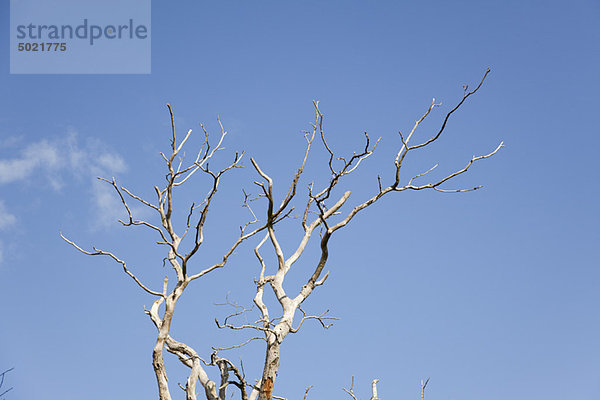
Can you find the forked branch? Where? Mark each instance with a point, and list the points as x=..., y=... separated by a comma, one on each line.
x=329, y=218
x=325, y=210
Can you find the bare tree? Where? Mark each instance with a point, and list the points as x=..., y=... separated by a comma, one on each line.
x=324, y=211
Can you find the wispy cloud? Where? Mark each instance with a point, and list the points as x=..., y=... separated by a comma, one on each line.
x=63, y=159
x=59, y=157
x=6, y=218
x=10, y=141
x=111, y=162
x=37, y=155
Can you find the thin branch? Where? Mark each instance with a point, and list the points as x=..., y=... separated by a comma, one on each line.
x=131, y=221
x=245, y=326
x=97, y=252
x=321, y=318
x=172, y=126
x=203, y=213
x=452, y=175
x=465, y=97
x=351, y=390
x=421, y=174
x=237, y=346
x=138, y=198
x=2, y=376
x=306, y=392
x=202, y=160
x=423, y=386
x=405, y=142
x=243, y=236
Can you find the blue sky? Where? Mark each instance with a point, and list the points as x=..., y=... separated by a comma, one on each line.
x=492, y=293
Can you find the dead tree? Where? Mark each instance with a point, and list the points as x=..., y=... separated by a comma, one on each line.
x=324, y=211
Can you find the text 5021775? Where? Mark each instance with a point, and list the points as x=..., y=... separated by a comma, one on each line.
x=42, y=46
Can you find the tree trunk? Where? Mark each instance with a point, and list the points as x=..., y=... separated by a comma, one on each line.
x=270, y=371
x=157, y=353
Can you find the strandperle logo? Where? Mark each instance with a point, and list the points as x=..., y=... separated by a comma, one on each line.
x=86, y=31
x=80, y=37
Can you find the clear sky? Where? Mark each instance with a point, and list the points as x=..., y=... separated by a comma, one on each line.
x=494, y=293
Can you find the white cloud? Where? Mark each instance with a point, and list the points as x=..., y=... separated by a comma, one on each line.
x=76, y=155
x=42, y=154
x=6, y=218
x=16, y=169
x=10, y=141
x=112, y=162
x=59, y=159
x=5, y=253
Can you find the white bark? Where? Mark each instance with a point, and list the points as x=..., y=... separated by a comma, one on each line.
x=330, y=215
x=178, y=261
x=316, y=203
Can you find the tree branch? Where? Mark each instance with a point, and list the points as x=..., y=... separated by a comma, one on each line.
x=111, y=255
